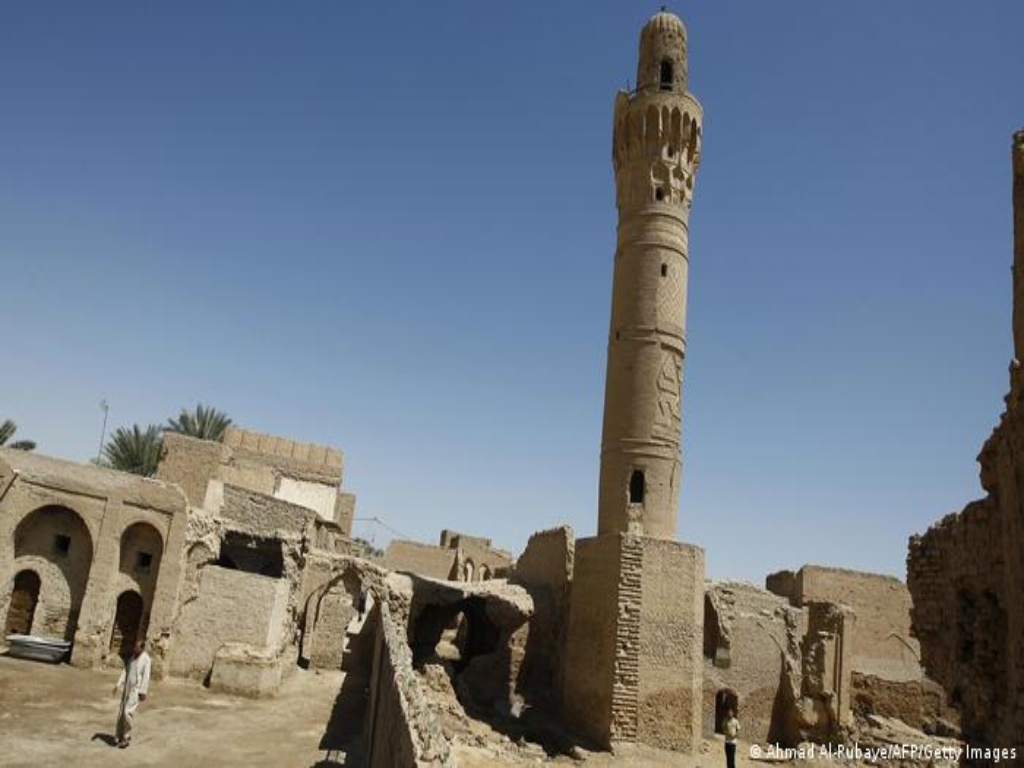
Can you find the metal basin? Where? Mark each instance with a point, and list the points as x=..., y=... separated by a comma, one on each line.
x=37, y=648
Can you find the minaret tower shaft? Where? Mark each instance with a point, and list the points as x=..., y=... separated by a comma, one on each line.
x=633, y=669
x=656, y=151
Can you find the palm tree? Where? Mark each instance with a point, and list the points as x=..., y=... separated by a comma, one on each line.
x=204, y=423
x=134, y=450
x=7, y=430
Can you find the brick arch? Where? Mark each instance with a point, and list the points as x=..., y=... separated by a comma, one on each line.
x=140, y=554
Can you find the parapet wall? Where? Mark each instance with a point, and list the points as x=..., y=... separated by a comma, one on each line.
x=305, y=461
x=401, y=729
x=421, y=559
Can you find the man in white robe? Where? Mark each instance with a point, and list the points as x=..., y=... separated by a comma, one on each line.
x=134, y=685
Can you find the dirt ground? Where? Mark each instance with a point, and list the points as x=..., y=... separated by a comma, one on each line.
x=60, y=715
x=57, y=715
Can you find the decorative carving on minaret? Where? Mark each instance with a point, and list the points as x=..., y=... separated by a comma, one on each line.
x=670, y=396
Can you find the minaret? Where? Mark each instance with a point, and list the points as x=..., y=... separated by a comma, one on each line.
x=632, y=667
x=655, y=150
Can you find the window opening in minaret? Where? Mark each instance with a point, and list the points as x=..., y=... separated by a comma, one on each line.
x=666, y=75
x=636, y=487
x=659, y=193
x=664, y=270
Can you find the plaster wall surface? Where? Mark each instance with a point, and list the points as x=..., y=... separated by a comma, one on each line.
x=421, y=559
x=320, y=498
x=190, y=463
x=344, y=512
x=231, y=607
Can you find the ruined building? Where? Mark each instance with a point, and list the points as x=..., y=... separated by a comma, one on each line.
x=633, y=666
x=236, y=560
x=814, y=656
x=966, y=573
x=88, y=555
x=231, y=561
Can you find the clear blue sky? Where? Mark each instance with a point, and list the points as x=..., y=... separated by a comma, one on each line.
x=389, y=227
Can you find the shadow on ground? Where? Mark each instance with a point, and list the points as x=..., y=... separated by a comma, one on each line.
x=343, y=737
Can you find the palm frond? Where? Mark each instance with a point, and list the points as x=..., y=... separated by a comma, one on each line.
x=205, y=423
x=7, y=430
x=134, y=450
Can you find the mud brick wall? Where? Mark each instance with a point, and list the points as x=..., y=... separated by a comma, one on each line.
x=966, y=573
x=401, y=730
x=191, y=463
x=590, y=662
x=421, y=559
x=633, y=669
x=882, y=642
x=545, y=570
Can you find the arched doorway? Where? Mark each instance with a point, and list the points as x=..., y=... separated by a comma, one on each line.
x=726, y=701
x=24, y=598
x=127, y=623
x=55, y=542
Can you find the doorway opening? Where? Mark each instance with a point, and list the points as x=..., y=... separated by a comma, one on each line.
x=24, y=598
x=127, y=623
